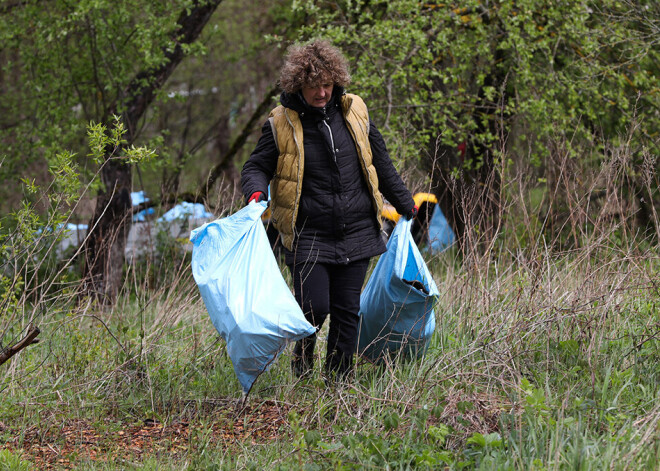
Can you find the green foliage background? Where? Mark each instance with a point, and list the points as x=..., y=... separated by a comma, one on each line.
x=584, y=71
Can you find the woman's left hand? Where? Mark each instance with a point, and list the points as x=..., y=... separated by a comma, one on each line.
x=412, y=214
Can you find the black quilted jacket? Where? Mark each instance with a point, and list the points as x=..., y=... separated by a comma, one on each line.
x=336, y=221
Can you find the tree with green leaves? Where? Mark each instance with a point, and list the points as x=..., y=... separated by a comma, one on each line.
x=101, y=62
x=119, y=66
x=109, y=225
x=464, y=87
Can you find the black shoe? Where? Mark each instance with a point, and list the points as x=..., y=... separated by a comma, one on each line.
x=338, y=368
x=300, y=370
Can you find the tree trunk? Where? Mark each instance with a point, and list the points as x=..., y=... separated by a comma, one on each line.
x=469, y=197
x=104, y=251
x=227, y=158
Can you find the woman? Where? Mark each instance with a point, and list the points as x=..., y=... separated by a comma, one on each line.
x=327, y=165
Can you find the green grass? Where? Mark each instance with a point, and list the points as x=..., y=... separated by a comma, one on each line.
x=546, y=363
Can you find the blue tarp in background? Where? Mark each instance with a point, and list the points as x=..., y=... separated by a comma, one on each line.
x=186, y=210
x=138, y=197
x=441, y=235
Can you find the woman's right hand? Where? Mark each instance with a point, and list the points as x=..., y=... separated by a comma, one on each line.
x=257, y=196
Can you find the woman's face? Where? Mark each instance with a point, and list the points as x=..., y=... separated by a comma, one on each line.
x=319, y=95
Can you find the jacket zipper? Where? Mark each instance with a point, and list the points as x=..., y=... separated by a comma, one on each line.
x=332, y=140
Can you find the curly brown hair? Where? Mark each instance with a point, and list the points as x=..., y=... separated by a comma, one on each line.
x=311, y=64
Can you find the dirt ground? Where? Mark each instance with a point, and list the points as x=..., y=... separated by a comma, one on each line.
x=61, y=447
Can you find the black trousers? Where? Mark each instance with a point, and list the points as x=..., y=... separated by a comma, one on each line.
x=324, y=289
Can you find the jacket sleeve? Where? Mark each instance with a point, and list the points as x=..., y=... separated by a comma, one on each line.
x=390, y=183
x=260, y=167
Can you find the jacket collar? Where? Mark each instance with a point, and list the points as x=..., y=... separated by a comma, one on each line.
x=297, y=103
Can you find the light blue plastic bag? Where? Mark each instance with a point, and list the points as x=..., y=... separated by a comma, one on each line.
x=248, y=301
x=396, y=305
x=441, y=235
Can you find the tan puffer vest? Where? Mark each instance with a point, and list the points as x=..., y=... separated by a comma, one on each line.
x=286, y=185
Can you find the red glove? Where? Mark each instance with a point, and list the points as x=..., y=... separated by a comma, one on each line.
x=256, y=196
x=412, y=214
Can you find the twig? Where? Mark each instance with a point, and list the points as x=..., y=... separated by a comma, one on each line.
x=29, y=339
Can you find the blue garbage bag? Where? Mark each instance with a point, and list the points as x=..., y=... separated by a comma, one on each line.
x=396, y=305
x=246, y=296
x=441, y=235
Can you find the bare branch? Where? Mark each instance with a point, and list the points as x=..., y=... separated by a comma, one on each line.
x=29, y=339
